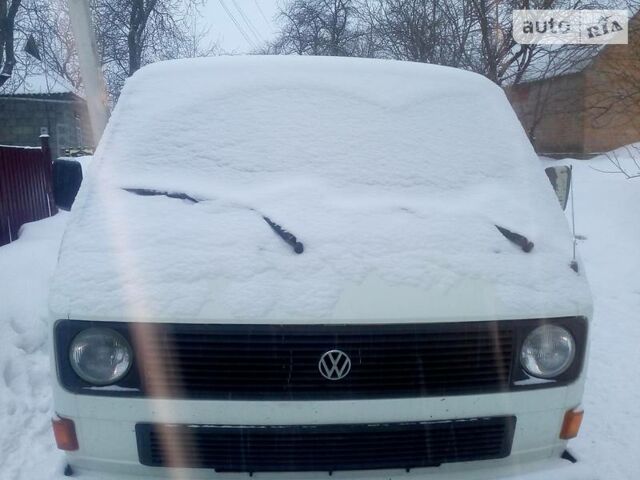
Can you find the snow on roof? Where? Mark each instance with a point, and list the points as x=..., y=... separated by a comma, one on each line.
x=392, y=174
x=32, y=78
x=558, y=60
x=554, y=61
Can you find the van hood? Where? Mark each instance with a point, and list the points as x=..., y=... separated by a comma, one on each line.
x=366, y=259
x=393, y=175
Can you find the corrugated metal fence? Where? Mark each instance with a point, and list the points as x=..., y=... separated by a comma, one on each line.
x=25, y=188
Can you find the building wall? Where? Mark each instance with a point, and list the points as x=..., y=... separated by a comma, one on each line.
x=552, y=113
x=613, y=96
x=585, y=113
x=66, y=118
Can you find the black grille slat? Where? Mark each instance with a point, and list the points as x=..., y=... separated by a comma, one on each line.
x=269, y=364
x=491, y=442
x=224, y=441
x=367, y=381
x=460, y=355
x=405, y=355
x=185, y=369
x=311, y=338
x=326, y=448
x=223, y=347
x=259, y=362
x=388, y=342
x=368, y=450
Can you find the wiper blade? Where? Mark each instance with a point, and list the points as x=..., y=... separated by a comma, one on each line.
x=523, y=242
x=288, y=237
x=147, y=192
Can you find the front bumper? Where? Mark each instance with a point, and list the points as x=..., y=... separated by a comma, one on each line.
x=106, y=428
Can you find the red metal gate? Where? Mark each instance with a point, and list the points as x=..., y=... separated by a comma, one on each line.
x=25, y=188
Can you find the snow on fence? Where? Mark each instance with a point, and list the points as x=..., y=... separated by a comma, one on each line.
x=25, y=187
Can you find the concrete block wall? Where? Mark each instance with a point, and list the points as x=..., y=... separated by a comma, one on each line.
x=66, y=118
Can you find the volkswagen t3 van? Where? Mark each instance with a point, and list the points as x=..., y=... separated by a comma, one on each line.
x=294, y=267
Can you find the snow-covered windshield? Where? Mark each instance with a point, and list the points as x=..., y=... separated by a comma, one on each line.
x=231, y=122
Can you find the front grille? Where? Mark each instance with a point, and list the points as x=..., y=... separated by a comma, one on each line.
x=283, y=362
x=324, y=448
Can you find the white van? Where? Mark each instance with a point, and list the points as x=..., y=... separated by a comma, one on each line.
x=280, y=265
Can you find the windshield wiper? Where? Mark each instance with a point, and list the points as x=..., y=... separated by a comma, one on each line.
x=288, y=237
x=523, y=242
x=147, y=192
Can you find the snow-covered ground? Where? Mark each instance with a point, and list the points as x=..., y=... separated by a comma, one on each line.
x=609, y=227
x=27, y=450
x=607, y=218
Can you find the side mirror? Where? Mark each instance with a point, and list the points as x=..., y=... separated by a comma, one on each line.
x=67, y=177
x=560, y=178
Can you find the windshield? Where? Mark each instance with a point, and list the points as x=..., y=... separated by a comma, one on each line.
x=256, y=121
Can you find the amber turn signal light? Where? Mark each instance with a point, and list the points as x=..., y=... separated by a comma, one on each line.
x=571, y=424
x=64, y=430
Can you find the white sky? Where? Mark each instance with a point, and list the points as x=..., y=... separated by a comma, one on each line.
x=258, y=13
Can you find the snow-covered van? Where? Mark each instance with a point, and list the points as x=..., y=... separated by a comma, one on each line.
x=279, y=265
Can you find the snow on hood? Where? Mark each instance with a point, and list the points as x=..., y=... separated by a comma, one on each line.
x=392, y=174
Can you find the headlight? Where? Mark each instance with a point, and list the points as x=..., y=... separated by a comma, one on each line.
x=548, y=351
x=100, y=356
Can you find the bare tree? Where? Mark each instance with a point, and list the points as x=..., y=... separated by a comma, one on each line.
x=8, y=12
x=470, y=34
x=475, y=35
x=19, y=30
x=132, y=33
x=491, y=48
x=627, y=165
x=47, y=21
x=129, y=34
x=430, y=31
x=317, y=27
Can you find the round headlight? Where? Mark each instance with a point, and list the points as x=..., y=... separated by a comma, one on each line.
x=100, y=356
x=548, y=351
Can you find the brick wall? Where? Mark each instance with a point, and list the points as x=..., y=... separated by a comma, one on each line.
x=613, y=96
x=65, y=116
x=552, y=113
x=589, y=112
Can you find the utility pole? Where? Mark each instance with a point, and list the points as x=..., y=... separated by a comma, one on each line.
x=95, y=91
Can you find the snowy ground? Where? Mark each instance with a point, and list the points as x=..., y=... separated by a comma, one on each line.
x=607, y=217
x=27, y=450
x=606, y=220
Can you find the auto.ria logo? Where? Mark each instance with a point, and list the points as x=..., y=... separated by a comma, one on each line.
x=334, y=365
x=581, y=27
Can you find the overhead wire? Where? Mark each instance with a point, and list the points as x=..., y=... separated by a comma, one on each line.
x=264, y=17
x=248, y=23
x=237, y=24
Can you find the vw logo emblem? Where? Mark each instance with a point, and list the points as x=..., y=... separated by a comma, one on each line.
x=334, y=365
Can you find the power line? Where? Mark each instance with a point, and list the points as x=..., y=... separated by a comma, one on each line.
x=264, y=17
x=248, y=23
x=237, y=24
